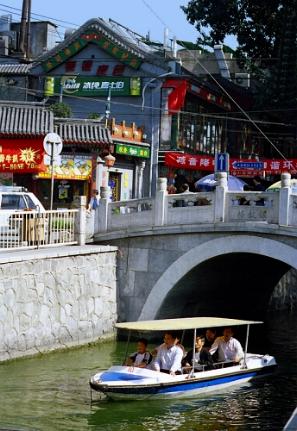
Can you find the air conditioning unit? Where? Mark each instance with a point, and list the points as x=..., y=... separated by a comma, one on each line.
x=242, y=79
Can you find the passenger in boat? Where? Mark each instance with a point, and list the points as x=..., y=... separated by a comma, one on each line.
x=142, y=357
x=228, y=347
x=202, y=358
x=210, y=336
x=177, y=342
x=169, y=356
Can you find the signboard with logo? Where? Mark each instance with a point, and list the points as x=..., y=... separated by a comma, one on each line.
x=21, y=155
x=70, y=168
x=132, y=150
x=93, y=86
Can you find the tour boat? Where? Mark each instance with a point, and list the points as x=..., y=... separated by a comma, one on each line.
x=132, y=383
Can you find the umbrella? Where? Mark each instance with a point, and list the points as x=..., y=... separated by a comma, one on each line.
x=276, y=186
x=208, y=183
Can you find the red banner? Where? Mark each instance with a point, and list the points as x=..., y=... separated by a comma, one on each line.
x=21, y=155
x=206, y=163
x=177, y=96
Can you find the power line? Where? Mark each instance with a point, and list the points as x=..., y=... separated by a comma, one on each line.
x=42, y=16
x=218, y=84
x=156, y=109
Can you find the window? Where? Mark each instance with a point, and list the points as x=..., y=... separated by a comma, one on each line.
x=87, y=65
x=102, y=70
x=30, y=203
x=13, y=202
x=118, y=69
x=70, y=66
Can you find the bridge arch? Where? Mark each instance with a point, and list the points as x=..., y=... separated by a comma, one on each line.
x=217, y=247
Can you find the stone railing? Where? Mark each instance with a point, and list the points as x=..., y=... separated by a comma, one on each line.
x=191, y=208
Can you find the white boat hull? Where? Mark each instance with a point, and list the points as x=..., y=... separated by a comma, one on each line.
x=128, y=383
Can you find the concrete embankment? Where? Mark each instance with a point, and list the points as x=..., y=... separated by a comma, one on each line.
x=56, y=298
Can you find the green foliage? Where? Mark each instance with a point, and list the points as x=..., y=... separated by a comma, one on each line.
x=61, y=110
x=93, y=116
x=266, y=33
x=60, y=224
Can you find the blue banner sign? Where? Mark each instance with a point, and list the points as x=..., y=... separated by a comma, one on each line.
x=248, y=165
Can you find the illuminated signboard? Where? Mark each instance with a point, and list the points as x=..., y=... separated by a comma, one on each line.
x=93, y=86
x=131, y=150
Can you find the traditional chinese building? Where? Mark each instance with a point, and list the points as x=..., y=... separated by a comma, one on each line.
x=104, y=69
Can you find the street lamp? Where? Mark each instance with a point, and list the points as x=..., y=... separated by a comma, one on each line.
x=148, y=83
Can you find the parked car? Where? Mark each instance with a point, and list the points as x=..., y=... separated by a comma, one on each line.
x=14, y=199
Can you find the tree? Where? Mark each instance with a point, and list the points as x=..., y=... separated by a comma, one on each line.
x=256, y=26
x=266, y=33
x=61, y=110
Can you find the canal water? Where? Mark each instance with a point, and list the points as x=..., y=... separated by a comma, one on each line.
x=51, y=393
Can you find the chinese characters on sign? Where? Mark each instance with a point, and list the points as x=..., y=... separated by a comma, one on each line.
x=239, y=167
x=71, y=168
x=93, y=85
x=131, y=150
x=21, y=156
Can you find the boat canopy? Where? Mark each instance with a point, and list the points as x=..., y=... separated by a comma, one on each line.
x=182, y=324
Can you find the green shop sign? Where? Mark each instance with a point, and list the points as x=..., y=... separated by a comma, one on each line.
x=94, y=86
x=131, y=150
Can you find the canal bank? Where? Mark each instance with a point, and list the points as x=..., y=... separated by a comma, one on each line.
x=56, y=298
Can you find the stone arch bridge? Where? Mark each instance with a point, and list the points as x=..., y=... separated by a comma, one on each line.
x=176, y=259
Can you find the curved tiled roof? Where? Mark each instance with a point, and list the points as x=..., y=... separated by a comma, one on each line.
x=140, y=50
x=25, y=120
x=80, y=131
x=14, y=69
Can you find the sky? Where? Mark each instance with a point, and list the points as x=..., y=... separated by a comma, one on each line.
x=141, y=16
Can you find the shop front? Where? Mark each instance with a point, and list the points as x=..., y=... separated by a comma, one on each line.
x=20, y=160
x=72, y=177
x=132, y=161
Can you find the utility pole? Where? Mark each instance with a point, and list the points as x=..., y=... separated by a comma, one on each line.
x=25, y=31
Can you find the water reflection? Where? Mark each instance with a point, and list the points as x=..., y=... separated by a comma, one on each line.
x=51, y=393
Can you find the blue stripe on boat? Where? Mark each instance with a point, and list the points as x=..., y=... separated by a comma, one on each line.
x=110, y=376
x=197, y=385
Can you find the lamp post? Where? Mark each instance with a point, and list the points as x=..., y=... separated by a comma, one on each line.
x=149, y=82
x=154, y=151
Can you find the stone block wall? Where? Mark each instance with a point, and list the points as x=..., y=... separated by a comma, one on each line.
x=51, y=299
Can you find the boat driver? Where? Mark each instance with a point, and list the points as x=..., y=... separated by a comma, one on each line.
x=169, y=356
x=227, y=347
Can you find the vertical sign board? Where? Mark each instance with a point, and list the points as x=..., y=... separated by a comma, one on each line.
x=222, y=162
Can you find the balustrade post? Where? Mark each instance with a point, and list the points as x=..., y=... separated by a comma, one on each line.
x=220, y=197
x=80, y=231
x=160, y=209
x=101, y=220
x=284, y=200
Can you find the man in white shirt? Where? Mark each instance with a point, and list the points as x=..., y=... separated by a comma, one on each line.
x=169, y=356
x=228, y=348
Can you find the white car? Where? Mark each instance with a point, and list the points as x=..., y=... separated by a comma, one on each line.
x=15, y=199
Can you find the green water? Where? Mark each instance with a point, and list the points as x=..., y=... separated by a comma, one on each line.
x=51, y=392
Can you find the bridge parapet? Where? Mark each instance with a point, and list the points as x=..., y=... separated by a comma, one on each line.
x=221, y=205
